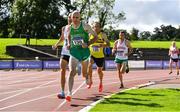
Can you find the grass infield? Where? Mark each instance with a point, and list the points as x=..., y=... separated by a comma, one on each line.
x=141, y=100
x=135, y=44
x=14, y=41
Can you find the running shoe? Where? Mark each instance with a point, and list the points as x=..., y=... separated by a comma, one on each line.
x=100, y=87
x=170, y=72
x=89, y=85
x=177, y=73
x=68, y=98
x=61, y=95
x=122, y=86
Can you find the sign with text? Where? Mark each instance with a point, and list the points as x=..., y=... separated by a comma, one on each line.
x=136, y=64
x=154, y=64
x=110, y=64
x=51, y=64
x=27, y=64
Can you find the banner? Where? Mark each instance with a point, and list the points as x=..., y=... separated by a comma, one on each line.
x=166, y=64
x=136, y=64
x=6, y=65
x=51, y=64
x=28, y=64
x=110, y=64
x=154, y=64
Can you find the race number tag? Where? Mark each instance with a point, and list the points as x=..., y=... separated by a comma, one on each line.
x=77, y=40
x=96, y=48
x=120, y=53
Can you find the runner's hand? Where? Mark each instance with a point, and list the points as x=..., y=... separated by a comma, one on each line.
x=84, y=45
x=113, y=51
x=54, y=47
x=102, y=45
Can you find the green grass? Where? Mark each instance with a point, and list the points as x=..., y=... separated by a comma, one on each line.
x=153, y=44
x=141, y=100
x=14, y=41
x=135, y=44
x=150, y=44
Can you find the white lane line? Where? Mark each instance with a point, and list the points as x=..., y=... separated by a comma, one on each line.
x=26, y=91
x=17, y=104
x=22, y=75
x=2, y=93
x=27, y=101
x=90, y=106
x=59, y=106
x=129, y=79
x=28, y=79
x=57, y=93
x=25, y=84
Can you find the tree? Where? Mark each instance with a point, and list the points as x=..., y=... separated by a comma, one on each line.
x=100, y=9
x=134, y=34
x=39, y=18
x=164, y=33
x=5, y=6
x=105, y=14
x=145, y=35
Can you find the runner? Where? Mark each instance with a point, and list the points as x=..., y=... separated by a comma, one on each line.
x=97, y=54
x=173, y=53
x=122, y=48
x=78, y=42
x=64, y=60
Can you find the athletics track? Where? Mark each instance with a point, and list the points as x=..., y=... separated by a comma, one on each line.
x=37, y=90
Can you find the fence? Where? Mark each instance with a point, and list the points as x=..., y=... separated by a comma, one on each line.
x=54, y=64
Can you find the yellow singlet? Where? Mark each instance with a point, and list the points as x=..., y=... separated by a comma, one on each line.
x=95, y=50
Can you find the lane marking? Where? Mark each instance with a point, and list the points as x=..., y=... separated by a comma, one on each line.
x=27, y=101
x=17, y=75
x=28, y=79
x=56, y=94
x=78, y=88
x=26, y=91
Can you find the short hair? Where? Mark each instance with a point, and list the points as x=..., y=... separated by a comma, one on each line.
x=69, y=14
x=96, y=22
x=123, y=32
x=76, y=11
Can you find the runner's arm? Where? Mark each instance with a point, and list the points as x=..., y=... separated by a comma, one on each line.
x=68, y=39
x=107, y=43
x=130, y=49
x=169, y=51
x=88, y=28
x=60, y=39
x=115, y=47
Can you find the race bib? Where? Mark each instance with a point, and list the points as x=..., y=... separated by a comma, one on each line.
x=96, y=48
x=120, y=53
x=78, y=40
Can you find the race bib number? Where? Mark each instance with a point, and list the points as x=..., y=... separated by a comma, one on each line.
x=77, y=41
x=120, y=53
x=96, y=48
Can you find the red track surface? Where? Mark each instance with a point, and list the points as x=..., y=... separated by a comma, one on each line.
x=36, y=91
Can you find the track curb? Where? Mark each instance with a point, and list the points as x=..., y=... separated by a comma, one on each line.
x=90, y=106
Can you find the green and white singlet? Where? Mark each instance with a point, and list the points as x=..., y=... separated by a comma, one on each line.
x=79, y=36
